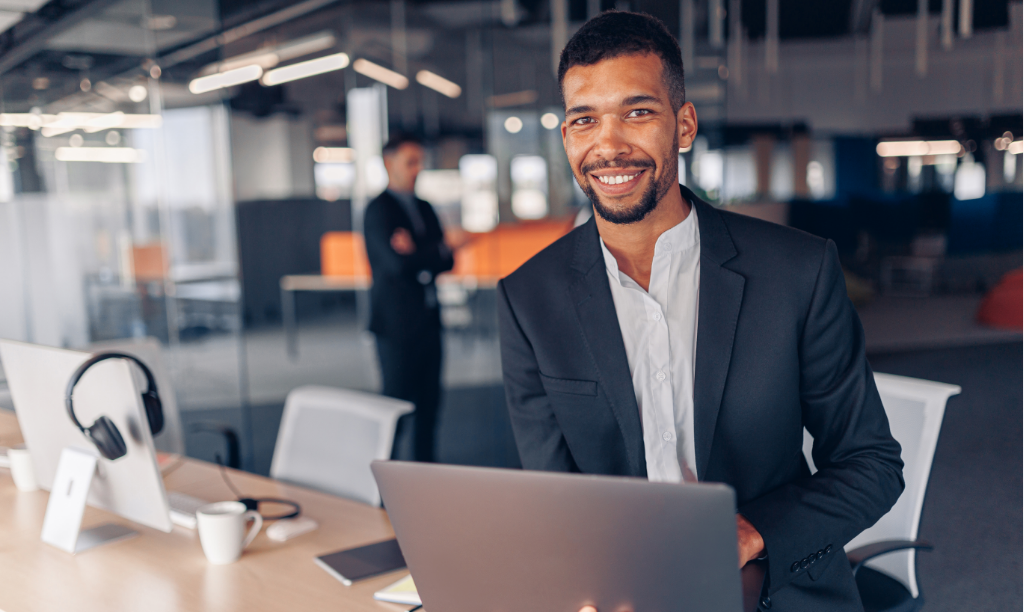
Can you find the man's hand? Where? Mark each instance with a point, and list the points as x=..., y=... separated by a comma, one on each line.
x=401, y=242
x=750, y=542
x=456, y=238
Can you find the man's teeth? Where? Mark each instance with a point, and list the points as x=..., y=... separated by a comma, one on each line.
x=615, y=180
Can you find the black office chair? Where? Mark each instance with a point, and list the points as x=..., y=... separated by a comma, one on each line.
x=233, y=458
x=879, y=592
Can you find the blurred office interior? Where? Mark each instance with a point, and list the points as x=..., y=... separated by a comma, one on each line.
x=194, y=171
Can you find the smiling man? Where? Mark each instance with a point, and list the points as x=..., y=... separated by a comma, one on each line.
x=670, y=340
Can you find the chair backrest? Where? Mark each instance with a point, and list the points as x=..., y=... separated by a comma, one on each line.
x=329, y=436
x=344, y=254
x=915, y=408
x=149, y=350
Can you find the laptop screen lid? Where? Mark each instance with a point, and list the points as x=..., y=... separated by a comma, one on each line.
x=479, y=539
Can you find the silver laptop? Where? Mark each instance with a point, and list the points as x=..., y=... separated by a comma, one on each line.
x=479, y=539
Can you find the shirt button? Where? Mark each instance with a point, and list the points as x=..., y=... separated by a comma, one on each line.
x=660, y=376
x=667, y=436
x=657, y=316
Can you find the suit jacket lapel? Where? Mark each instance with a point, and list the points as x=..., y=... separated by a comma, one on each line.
x=599, y=324
x=721, y=294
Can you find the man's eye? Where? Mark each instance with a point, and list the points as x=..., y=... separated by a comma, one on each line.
x=640, y=112
x=582, y=120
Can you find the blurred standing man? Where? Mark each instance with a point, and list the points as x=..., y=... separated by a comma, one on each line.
x=670, y=340
x=406, y=248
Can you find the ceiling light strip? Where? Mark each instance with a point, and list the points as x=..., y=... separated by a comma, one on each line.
x=107, y=155
x=438, y=83
x=60, y=123
x=305, y=69
x=913, y=148
x=229, y=78
x=333, y=155
x=380, y=73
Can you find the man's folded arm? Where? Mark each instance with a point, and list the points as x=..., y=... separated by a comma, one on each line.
x=860, y=474
x=538, y=437
x=377, y=231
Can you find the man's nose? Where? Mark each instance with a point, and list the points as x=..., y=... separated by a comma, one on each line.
x=610, y=140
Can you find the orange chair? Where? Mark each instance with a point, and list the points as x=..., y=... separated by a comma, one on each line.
x=487, y=257
x=344, y=254
x=498, y=253
x=149, y=261
x=518, y=243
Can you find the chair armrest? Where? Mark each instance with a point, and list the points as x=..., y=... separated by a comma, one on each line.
x=861, y=554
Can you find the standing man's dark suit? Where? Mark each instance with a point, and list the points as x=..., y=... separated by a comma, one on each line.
x=779, y=348
x=404, y=313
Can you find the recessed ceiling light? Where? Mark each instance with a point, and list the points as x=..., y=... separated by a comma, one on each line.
x=513, y=125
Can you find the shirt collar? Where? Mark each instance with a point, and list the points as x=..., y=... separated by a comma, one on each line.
x=681, y=237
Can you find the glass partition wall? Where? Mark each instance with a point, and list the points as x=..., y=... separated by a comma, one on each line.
x=116, y=211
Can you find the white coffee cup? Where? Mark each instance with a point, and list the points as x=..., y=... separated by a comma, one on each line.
x=222, y=530
x=21, y=469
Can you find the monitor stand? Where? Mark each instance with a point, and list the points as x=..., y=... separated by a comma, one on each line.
x=68, y=495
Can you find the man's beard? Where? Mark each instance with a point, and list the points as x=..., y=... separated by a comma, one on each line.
x=655, y=191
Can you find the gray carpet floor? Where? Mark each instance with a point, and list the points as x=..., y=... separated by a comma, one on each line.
x=973, y=511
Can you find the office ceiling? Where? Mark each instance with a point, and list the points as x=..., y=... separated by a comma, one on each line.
x=49, y=48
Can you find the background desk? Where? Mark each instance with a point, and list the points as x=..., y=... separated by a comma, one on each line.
x=158, y=571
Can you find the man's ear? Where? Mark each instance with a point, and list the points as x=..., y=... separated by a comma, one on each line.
x=686, y=124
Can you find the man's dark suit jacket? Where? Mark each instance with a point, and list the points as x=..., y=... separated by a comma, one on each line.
x=398, y=298
x=779, y=348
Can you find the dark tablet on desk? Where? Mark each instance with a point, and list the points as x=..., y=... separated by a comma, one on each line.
x=358, y=563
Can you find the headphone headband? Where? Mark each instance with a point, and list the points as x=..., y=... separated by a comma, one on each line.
x=103, y=433
x=91, y=361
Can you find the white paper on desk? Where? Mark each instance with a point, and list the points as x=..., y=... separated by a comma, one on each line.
x=401, y=592
x=67, y=498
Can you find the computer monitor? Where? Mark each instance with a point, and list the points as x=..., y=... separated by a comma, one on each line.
x=131, y=486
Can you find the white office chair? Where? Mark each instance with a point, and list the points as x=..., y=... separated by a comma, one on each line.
x=149, y=351
x=328, y=437
x=915, y=409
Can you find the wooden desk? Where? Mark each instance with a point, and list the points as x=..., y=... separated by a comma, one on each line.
x=158, y=571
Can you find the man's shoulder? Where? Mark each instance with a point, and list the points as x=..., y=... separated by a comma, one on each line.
x=382, y=202
x=382, y=199
x=746, y=227
x=769, y=243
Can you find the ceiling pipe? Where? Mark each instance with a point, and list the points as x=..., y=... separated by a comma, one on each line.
x=947, y=24
x=966, y=18
x=686, y=32
x=37, y=41
x=771, y=38
x=239, y=32
x=921, y=52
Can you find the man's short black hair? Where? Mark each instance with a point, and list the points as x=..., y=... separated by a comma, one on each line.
x=617, y=33
x=397, y=140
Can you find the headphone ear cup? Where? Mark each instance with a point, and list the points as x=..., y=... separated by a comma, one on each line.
x=154, y=411
x=107, y=438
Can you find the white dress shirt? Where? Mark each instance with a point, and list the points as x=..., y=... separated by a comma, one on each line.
x=659, y=329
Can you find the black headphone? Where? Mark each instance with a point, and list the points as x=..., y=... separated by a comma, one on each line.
x=103, y=433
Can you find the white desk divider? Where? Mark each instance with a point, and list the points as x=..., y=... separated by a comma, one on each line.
x=63, y=522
